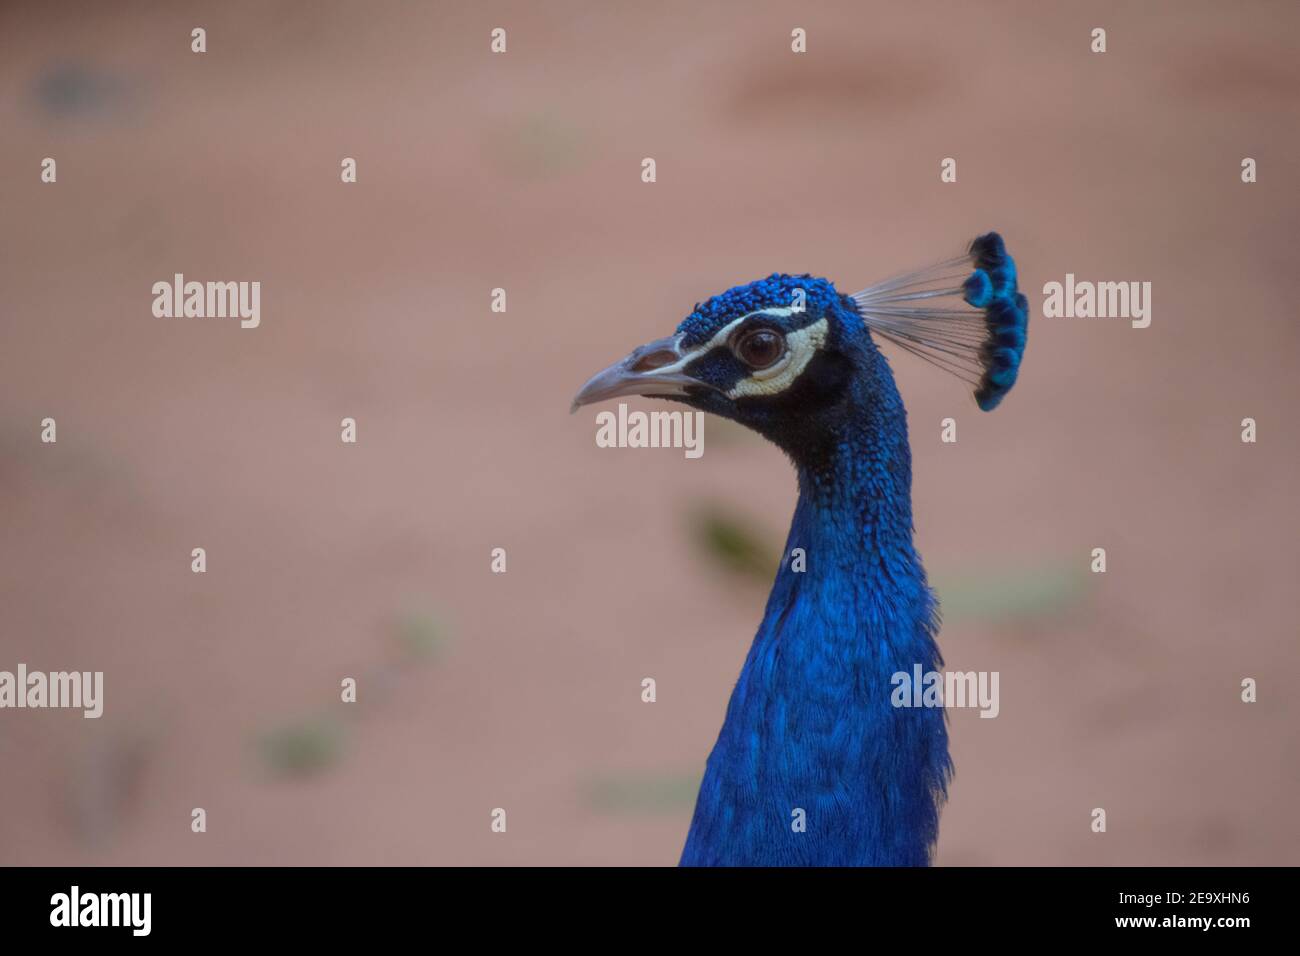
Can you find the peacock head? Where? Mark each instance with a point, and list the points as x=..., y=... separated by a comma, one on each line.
x=794, y=359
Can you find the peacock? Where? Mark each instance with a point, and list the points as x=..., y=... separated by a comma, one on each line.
x=814, y=765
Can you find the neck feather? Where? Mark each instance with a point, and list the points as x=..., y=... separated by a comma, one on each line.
x=810, y=726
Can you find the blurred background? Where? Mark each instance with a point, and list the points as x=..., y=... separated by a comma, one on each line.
x=478, y=690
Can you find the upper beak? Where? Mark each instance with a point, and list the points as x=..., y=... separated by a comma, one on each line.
x=653, y=369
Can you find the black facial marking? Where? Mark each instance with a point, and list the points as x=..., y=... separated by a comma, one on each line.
x=719, y=368
x=806, y=411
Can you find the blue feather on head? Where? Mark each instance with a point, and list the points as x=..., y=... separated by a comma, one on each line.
x=983, y=348
x=1006, y=316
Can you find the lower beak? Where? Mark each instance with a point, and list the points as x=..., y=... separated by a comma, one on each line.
x=653, y=369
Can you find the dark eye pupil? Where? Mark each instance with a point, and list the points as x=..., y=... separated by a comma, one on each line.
x=761, y=349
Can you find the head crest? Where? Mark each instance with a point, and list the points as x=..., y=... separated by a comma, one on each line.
x=972, y=324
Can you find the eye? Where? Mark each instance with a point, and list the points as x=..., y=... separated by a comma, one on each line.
x=760, y=348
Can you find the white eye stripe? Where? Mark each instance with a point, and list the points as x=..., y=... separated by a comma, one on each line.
x=801, y=346
x=723, y=334
x=720, y=338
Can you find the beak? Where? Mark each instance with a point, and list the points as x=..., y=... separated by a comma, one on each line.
x=653, y=369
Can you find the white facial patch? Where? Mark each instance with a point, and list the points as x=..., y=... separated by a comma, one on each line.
x=801, y=346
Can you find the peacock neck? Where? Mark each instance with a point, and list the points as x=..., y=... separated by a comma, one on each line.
x=810, y=737
x=856, y=502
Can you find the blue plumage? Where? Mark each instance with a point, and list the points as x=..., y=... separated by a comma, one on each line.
x=978, y=289
x=813, y=764
x=1006, y=316
x=775, y=290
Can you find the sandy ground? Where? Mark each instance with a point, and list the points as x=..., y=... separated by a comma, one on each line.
x=522, y=171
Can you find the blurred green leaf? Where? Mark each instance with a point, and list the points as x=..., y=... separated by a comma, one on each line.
x=540, y=145
x=733, y=543
x=642, y=793
x=420, y=635
x=303, y=749
x=1042, y=590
